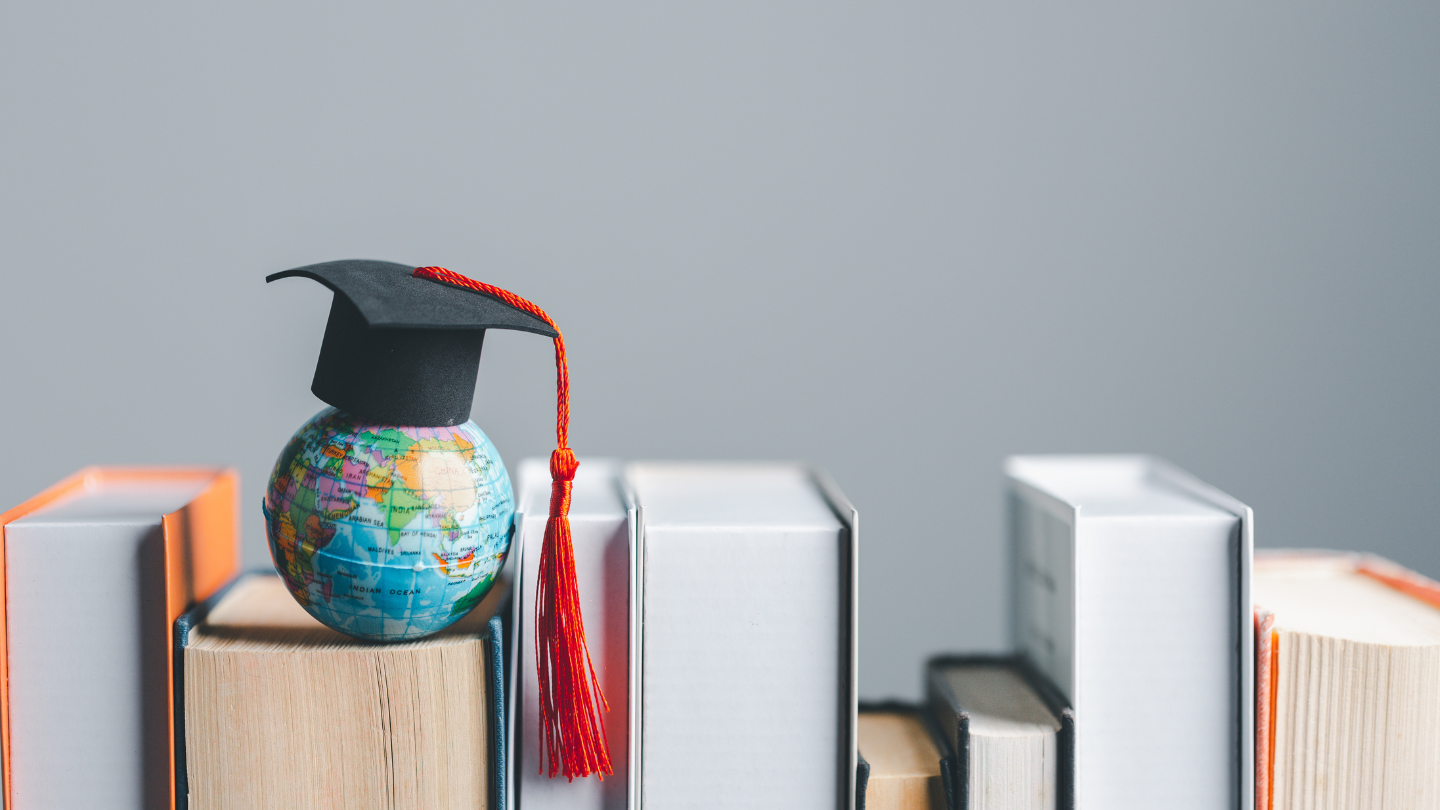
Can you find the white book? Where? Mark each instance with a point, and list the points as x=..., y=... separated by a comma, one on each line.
x=96, y=569
x=746, y=633
x=1132, y=595
x=601, y=533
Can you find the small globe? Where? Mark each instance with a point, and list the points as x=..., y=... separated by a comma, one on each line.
x=388, y=532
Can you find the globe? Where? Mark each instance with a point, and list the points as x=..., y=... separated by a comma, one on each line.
x=388, y=532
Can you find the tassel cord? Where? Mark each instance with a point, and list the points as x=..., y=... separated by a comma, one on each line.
x=572, y=736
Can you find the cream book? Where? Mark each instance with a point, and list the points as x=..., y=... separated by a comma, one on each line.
x=1347, y=683
x=281, y=711
x=899, y=760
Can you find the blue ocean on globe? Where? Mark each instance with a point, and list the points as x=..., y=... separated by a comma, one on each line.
x=388, y=532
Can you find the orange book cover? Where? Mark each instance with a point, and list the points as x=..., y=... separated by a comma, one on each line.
x=201, y=553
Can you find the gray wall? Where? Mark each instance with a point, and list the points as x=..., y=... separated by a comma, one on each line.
x=900, y=240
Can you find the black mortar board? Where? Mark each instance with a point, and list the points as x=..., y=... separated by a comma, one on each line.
x=403, y=350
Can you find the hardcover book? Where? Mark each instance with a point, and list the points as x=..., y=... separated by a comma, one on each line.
x=281, y=711
x=899, y=759
x=746, y=633
x=1008, y=734
x=1132, y=597
x=96, y=569
x=1347, y=683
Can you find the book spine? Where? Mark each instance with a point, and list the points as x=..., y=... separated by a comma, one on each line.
x=498, y=731
x=862, y=780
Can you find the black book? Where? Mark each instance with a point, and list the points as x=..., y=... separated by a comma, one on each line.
x=1009, y=736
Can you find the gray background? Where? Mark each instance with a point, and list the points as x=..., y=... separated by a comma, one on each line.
x=901, y=240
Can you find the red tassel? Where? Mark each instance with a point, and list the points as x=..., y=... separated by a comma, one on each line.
x=572, y=736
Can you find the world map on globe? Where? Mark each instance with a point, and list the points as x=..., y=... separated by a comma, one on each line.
x=388, y=532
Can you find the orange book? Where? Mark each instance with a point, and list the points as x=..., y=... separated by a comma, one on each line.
x=93, y=573
x=1348, y=644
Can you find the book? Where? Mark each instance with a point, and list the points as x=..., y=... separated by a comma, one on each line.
x=282, y=711
x=898, y=759
x=602, y=529
x=1131, y=596
x=1009, y=735
x=95, y=570
x=1347, y=683
x=746, y=616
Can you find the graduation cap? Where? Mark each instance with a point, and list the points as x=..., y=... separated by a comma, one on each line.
x=401, y=349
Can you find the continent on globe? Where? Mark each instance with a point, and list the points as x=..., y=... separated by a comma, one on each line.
x=384, y=531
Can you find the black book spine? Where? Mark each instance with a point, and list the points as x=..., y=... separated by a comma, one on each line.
x=862, y=779
x=498, y=760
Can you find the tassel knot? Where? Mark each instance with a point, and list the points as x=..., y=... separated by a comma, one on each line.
x=563, y=465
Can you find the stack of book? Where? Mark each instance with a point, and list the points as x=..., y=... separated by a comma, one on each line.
x=1158, y=661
